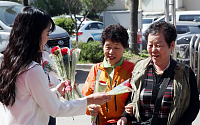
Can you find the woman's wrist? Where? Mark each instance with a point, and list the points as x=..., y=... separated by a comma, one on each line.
x=58, y=93
x=89, y=100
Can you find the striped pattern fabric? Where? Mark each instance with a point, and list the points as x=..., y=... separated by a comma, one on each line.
x=149, y=91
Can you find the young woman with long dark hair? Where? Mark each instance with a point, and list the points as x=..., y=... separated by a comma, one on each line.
x=24, y=92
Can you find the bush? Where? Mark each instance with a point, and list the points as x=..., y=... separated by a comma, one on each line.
x=91, y=52
x=65, y=23
x=133, y=57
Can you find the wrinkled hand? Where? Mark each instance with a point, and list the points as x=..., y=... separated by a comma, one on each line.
x=98, y=98
x=122, y=121
x=94, y=109
x=129, y=109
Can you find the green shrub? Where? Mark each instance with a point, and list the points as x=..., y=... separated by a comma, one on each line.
x=144, y=54
x=133, y=57
x=91, y=52
x=65, y=23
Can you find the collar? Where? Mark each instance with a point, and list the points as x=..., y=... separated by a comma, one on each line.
x=107, y=65
x=151, y=64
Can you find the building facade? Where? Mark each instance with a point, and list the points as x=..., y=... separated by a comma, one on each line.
x=157, y=5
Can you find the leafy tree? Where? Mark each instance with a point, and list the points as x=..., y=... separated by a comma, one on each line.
x=73, y=7
x=99, y=7
x=88, y=6
x=76, y=4
x=53, y=7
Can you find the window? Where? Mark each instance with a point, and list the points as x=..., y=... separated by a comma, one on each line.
x=1, y=28
x=87, y=28
x=100, y=25
x=94, y=26
x=189, y=18
x=182, y=29
x=147, y=21
x=8, y=14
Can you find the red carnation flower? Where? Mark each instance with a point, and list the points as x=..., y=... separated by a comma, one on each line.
x=128, y=84
x=44, y=63
x=64, y=51
x=102, y=81
x=54, y=49
x=71, y=51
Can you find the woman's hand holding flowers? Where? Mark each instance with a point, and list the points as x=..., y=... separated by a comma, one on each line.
x=94, y=109
x=129, y=109
x=60, y=88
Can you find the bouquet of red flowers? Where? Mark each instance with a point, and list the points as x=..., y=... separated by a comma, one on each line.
x=57, y=58
x=65, y=61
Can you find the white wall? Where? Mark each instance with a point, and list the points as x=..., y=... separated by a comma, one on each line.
x=191, y=4
x=159, y=5
x=152, y=5
x=179, y=3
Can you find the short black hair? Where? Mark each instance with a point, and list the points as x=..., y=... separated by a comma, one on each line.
x=115, y=32
x=168, y=29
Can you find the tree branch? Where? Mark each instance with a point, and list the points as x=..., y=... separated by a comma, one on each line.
x=68, y=4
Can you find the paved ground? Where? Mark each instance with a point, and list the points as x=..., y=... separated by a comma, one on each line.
x=76, y=120
x=84, y=119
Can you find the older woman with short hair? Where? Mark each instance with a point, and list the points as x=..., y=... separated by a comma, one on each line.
x=180, y=101
x=113, y=70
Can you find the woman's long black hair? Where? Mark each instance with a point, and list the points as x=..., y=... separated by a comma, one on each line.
x=23, y=48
